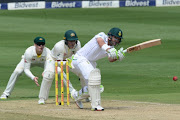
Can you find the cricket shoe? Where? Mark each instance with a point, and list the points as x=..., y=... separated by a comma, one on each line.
x=41, y=101
x=98, y=108
x=74, y=96
x=3, y=96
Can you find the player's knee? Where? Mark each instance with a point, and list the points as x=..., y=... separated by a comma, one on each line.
x=94, y=77
x=48, y=75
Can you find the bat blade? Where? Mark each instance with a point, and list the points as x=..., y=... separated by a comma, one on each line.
x=143, y=45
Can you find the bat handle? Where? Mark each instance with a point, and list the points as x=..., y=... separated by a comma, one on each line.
x=125, y=50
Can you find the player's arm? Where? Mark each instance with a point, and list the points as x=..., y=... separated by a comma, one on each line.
x=27, y=66
x=112, y=52
x=58, y=52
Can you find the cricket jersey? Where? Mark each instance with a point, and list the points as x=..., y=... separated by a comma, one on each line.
x=31, y=59
x=61, y=51
x=92, y=50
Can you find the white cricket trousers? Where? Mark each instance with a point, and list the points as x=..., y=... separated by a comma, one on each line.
x=13, y=78
x=83, y=67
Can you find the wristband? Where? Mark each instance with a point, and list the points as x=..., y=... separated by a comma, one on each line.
x=105, y=47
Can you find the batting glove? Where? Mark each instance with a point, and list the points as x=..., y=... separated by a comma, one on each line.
x=121, y=54
x=112, y=53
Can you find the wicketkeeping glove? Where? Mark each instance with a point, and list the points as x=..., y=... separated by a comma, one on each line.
x=70, y=62
x=121, y=54
x=112, y=53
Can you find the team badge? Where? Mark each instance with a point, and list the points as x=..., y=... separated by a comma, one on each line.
x=72, y=34
x=40, y=39
x=119, y=33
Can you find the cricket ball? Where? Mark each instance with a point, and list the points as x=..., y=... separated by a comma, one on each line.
x=175, y=78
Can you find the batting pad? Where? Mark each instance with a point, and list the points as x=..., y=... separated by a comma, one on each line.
x=94, y=87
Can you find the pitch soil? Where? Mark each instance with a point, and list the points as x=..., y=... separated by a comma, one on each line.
x=114, y=110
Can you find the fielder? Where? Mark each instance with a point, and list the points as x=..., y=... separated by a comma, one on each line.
x=33, y=56
x=84, y=61
x=61, y=51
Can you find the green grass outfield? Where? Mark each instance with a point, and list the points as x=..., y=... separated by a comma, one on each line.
x=145, y=75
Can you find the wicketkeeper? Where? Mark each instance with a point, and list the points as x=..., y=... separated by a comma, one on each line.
x=33, y=56
x=61, y=51
x=84, y=61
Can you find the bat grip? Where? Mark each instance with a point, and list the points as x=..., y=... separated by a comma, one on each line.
x=124, y=51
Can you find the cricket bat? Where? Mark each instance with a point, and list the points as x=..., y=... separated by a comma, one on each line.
x=143, y=45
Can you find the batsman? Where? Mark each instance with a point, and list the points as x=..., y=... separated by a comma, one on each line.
x=84, y=61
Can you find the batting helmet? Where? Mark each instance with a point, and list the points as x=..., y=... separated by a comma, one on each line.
x=116, y=32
